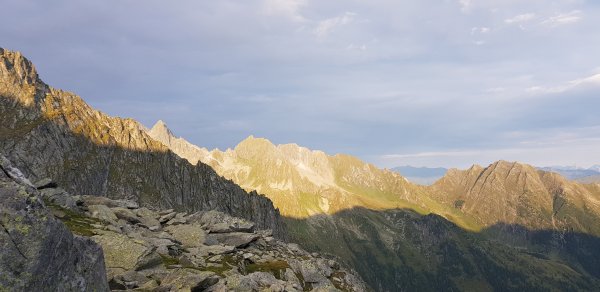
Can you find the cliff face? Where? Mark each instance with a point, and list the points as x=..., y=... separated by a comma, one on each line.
x=51, y=133
x=39, y=252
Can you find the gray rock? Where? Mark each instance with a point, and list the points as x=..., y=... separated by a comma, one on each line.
x=291, y=277
x=205, y=251
x=103, y=213
x=257, y=280
x=150, y=259
x=120, y=251
x=309, y=271
x=180, y=218
x=166, y=217
x=13, y=172
x=237, y=239
x=218, y=222
x=32, y=240
x=45, y=183
x=189, y=280
x=60, y=197
x=126, y=214
x=190, y=235
x=165, y=212
x=97, y=200
x=324, y=267
x=147, y=213
x=128, y=280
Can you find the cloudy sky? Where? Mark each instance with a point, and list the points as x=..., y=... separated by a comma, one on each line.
x=425, y=83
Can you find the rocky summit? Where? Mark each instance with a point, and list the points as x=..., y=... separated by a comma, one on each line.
x=61, y=242
x=48, y=132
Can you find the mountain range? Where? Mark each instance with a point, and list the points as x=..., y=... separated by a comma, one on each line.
x=372, y=217
x=506, y=226
x=585, y=175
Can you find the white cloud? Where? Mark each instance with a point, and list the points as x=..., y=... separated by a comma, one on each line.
x=326, y=26
x=564, y=18
x=355, y=47
x=593, y=80
x=465, y=5
x=287, y=8
x=480, y=30
x=581, y=142
x=520, y=18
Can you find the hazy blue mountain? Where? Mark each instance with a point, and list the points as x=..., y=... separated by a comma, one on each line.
x=421, y=175
x=573, y=172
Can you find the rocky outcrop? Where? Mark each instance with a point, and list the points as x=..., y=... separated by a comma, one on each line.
x=90, y=153
x=37, y=252
x=122, y=246
x=202, y=251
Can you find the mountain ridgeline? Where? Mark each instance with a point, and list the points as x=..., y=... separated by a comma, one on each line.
x=507, y=226
x=95, y=154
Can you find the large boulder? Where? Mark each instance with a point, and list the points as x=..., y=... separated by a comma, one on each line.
x=38, y=253
x=120, y=251
x=190, y=235
x=218, y=222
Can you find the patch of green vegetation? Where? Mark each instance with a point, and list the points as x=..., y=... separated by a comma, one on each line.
x=78, y=223
x=277, y=268
x=458, y=204
x=227, y=263
x=169, y=261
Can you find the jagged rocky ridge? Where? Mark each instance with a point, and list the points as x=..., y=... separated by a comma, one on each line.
x=302, y=182
x=144, y=249
x=48, y=132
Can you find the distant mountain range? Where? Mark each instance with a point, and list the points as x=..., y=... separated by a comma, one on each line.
x=421, y=175
x=429, y=175
x=585, y=175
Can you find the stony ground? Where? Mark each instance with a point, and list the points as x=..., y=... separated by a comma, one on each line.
x=149, y=250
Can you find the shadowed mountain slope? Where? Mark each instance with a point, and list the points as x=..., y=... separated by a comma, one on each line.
x=401, y=250
x=95, y=154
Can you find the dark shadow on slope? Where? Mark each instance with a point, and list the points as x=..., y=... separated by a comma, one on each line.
x=401, y=250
